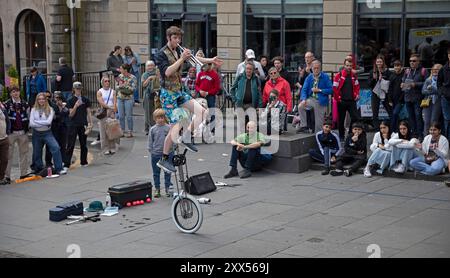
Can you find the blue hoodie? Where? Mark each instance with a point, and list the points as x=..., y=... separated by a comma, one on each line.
x=41, y=85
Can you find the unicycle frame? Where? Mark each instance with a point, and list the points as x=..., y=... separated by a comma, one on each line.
x=187, y=202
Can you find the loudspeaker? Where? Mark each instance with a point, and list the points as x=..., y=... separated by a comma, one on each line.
x=200, y=184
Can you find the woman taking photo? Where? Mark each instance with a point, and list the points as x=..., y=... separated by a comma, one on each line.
x=107, y=99
x=125, y=86
x=431, y=104
x=41, y=117
x=431, y=156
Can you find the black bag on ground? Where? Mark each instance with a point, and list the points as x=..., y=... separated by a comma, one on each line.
x=60, y=212
x=200, y=184
x=124, y=193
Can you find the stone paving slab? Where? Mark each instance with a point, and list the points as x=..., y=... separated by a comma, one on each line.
x=268, y=215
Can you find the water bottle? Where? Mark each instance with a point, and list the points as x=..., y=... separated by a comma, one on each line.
x=204, y=200
x=171, y=191
x=108, y=200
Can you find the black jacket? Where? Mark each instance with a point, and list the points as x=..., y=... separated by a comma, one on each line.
x=352, y=148
x=443, y=81
x=11, y=109
x=396, y=93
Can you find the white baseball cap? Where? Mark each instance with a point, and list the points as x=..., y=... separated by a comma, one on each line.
x=250, y=54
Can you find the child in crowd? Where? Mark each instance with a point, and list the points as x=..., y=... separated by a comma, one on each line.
x=329, y=146
x=431, y=156
x=156, y=137
x=381, y=151
x=402, y=148
x=355, y=151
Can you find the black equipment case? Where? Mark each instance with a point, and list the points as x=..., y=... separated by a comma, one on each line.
x=60, y=212
x=200, y=184
x=122, y=194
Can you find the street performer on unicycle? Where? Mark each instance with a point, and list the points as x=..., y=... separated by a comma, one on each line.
x=186, y=211
x=170, y=60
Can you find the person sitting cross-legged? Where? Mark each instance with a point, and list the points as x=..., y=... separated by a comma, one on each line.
x=247, y=150
x=328, y=147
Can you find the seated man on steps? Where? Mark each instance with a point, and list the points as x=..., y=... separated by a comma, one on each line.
x=247, y=149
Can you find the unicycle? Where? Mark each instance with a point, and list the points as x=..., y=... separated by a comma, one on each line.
x=186, y=211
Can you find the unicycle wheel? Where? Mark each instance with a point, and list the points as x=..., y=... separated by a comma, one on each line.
x=187, y=214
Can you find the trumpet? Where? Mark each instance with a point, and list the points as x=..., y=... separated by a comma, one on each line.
x=193, y=60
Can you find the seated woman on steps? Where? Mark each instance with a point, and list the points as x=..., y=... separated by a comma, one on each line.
x=402, y=148
x=381, y=151
x=431, y=155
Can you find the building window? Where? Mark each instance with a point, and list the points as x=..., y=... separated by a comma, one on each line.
x=31, y=44
x=284, y=27
x=197, y=18
x=398, y=28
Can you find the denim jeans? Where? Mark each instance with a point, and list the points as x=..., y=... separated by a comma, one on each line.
x=434, y=169
x=211, y=104
x=39, y=139
x=431, y=114
x=446, y=113
x=249, y=160
x=125, y=108
x=136, y=92
x=395, y=115
x=415, y=117
x=157, y=172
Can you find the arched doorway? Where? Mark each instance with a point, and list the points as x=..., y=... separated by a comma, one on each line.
x=2, y=59
x=30, y=43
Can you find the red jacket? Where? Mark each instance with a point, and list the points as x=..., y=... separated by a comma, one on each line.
x=284, y=89
x=208, y=81
x=339, y=80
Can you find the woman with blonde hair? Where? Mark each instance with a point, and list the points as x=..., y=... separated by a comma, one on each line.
x=107, y=99
x=41, y=117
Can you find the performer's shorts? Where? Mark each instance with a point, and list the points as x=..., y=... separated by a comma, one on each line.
x=172, y=104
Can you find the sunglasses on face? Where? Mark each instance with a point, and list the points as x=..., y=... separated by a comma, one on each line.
x=106, y=81
x=412, y=61
x=273, y=73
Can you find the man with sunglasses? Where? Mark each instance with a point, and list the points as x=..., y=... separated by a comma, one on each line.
x=412, y=83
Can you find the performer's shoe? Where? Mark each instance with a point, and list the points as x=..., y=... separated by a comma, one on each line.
x=166, y=165
x=188, y=146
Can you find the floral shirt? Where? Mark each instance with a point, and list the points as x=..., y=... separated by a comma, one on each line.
x=125, y=86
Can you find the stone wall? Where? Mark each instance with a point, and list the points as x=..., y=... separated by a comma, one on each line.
x=337, y=32
x=105, y=24
x=229, y=33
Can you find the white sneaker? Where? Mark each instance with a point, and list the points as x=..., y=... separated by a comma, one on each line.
x=96, y=142
x=63, y=172
x=400, y=169
x=66, y=169
x=367, y=173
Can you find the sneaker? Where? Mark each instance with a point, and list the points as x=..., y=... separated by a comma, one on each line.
x=347, y=173
x=400, y=169
x=395, y=166
x=336, y=173
x=62, y=172
x=233, y=173
x=168, y=195
x=326, y=171
x=189, y=146
x=303, y=130
x=157, y=193
x=166, y=165
x=367, y=172
x=96, y=142
x=4, y=182
x=84, y=165
x=245, y=174
x=107, y=153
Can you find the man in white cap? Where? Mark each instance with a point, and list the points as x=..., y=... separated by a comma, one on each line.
x=250, y=56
